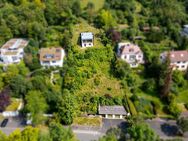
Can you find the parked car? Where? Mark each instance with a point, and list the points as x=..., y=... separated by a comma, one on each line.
x=4, y=122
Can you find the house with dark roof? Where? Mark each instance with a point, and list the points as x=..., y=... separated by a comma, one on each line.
x=87, y=39
x=178, y=59
x=114, y=112
x=52, y=57
x=130, y=53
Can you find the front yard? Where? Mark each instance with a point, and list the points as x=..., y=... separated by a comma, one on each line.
x=14, y=104
x=88, y=121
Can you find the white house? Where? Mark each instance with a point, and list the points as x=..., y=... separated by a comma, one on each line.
x=178, y=59
x=87, y=39
x=184, y=31
x=113, y=112
x=130, y=53
x=13, y=51
x=52, y=57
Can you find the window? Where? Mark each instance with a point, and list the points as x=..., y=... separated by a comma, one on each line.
x=53, y=61
x=131, y=50
x=182, y=66
x=125, y=57
x=178, y=62
x=46, y=62
x=14, y=58
x=132, y=57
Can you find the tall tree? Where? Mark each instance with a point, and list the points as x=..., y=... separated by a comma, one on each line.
x=36, y=105
x=30, y=134
x=4, y=98
x=59, y=133
x=66, y=107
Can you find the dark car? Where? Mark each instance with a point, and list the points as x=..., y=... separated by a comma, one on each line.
x=4, y=122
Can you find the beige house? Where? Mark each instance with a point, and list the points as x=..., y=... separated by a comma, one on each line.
x=178, y=59
x=131, y=54
x=52, y=57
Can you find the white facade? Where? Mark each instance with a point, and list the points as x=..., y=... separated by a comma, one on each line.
x=87, y=39
x=52, y=60
x=182, y=66
x=131, y=54
x=13, y=51
x=184, y=32
x=52, y=63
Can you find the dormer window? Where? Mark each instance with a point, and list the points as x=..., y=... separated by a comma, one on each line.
x=172, y=55
x=48, y=56
x=181, y=55
x=131, y=50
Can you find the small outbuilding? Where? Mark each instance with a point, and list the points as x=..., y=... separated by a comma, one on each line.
x=113, y=112
x=87, y=39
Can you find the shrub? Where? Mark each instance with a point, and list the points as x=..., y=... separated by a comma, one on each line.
x=186, y=105
x=132, y=107
x=173, y=109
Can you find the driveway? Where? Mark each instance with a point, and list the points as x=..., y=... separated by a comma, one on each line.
x=112, y=123
x=163, y=127
x=13, y=123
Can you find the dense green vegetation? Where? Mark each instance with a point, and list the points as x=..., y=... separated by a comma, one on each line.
x=55, y=132
x=95, y=75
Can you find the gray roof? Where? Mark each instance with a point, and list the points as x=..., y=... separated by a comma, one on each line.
x=116, y=110
x=86, y=35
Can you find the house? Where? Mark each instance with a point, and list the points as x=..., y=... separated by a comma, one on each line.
x=178, y=59
x=148, y=28
x=13, y=51
x=114, y=112
x=184, y=31
x=52, y=57
x=130, y=53
x=87, y=39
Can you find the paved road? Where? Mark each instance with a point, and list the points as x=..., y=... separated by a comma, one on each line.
x=93, y=133
x=84, y=135
x=166, y=129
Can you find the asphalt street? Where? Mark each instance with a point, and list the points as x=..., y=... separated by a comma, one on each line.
x=166, y=129
x=13, y=123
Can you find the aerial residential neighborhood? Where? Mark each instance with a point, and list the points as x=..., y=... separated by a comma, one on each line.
x=93, y=70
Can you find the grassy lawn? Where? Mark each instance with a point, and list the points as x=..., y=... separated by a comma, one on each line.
x=88, y=121
x=83, y=26
x=98, y=3
x=182, y=97
x=14, y=105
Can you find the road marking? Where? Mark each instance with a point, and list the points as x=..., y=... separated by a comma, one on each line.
x=87, y=132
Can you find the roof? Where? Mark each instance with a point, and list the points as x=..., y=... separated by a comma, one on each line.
x=86, y=35
x=15, y=43
x=178, y=56
x=116, y=110
x=51, y=54
x=129, y=48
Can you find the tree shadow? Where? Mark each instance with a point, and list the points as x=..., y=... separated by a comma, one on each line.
x=169, y=130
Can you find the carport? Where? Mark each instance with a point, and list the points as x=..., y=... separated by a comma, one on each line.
x=112, y=112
